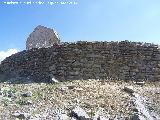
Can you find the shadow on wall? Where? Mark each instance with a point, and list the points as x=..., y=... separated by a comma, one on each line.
x=85, y=60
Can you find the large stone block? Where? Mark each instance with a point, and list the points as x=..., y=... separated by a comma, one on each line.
x=42, y=37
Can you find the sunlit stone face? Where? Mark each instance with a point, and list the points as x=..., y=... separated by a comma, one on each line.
x=42, y=37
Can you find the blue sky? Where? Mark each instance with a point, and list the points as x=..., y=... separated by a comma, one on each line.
x=92, y=20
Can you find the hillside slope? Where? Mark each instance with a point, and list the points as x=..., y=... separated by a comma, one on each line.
x=46, y=101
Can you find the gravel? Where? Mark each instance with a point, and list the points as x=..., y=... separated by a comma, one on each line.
x=92, y=96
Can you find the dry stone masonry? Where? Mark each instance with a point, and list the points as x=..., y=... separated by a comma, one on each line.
x=42, y=37
x=86, y=60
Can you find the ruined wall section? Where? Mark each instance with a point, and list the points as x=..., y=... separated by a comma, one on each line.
x=42, y=37
x=87, y=60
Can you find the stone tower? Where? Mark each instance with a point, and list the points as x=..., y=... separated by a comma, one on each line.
x=42, y=37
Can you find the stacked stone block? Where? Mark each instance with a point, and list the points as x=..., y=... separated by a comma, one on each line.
x=87, y=60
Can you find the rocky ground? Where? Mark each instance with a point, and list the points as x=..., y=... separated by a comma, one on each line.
x=80, y=99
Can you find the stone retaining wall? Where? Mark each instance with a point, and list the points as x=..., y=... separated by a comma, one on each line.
x=86, y=60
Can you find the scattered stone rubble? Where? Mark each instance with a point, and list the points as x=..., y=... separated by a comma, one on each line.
x=27, y=94
x=79, y=113
x=85, y=60
x=21, y=115
x=129, y=89
x=141, y=111
x=95, y=101
x=42, y=37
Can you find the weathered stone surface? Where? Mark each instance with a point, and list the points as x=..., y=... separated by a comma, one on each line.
x=135, y=117
x=71, y=61
x=21, y=115
x=1, y=92
x=10, y=94
x=54, y=80
x=99, y=115
x=129, y=89
x=140, y=83
x=42, y=37
x=27, y=94
x=71, y=87
x=62, y=116
x=79, y=113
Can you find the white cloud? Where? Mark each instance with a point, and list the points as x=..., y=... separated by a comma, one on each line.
x=4, y=54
